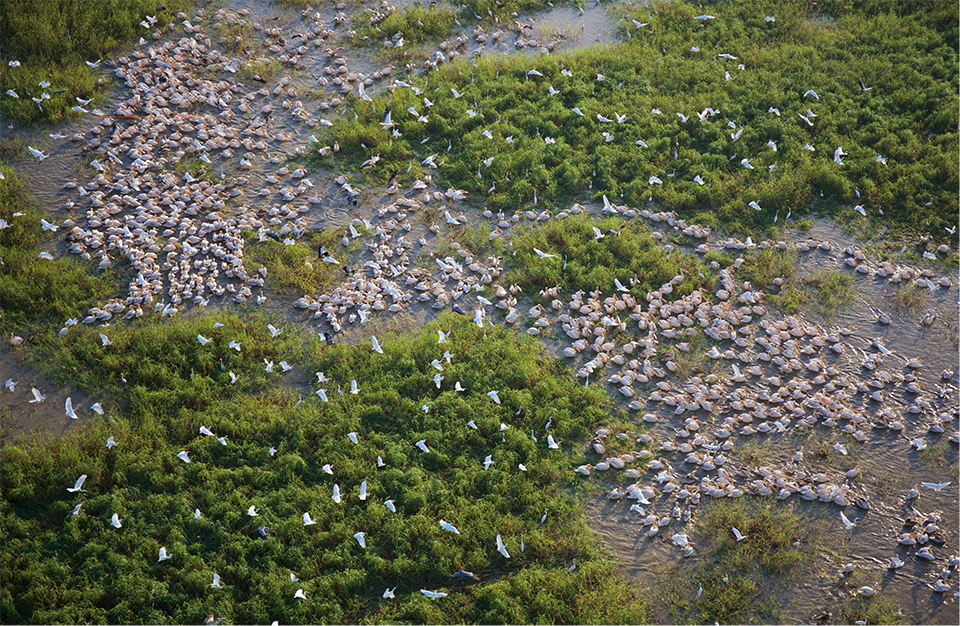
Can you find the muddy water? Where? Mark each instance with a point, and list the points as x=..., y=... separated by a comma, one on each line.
x=890, y=467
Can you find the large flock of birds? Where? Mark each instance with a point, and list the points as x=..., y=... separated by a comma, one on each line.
x=183, y=237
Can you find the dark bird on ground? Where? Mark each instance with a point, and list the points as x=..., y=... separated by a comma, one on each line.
x=465, y=575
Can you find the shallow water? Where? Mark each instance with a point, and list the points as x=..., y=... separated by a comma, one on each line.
x=890, y=466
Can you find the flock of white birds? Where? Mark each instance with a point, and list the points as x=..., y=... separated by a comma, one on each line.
x=183, y=237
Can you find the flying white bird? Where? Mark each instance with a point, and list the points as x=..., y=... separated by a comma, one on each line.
x=163, y=555
x=422, y=444
x=847, y=524
x=115, y=521
x=252, y=511
x=433, y=595
x=78, y=486
x=361, y=538
x=493, y=395
x=736, y=533
x=447, y=526
x=216, y=582
x=307, y=520
x=68, y=409
x=183, y=456
x=336, y=493
x=501, y=548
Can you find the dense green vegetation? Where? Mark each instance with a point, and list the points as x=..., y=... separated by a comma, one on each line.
x=52, y=40
x=62, y=568
x=583, y=262
x=905, y=52
x=38, y=293
x=297, y=269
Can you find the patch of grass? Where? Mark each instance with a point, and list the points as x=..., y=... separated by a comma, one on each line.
x=53, y=38
x=297, y=270
x=62, y=568
x=736, y=576
x=760, y=268
x=832, y=290
x=907, y=53
x=911, y=297
x=417, y=24
x=872, y=610
x=263, y=67
x=594, y=264
x=37, y=293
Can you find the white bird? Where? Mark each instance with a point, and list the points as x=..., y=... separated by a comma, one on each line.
x=363, y=490
x=704, y=18
x=896, y=563
x=805, y=119
x=501, y=548
x=433, y=595
x=68, y=409
x=110, y=442
x=78, y=486
x=163, y=555
x=443, y=337
x=37, y=396
x=183, y=456
x=422, y=444
x=847, y=524
x=197, y=514
x=553, y=445
x=252, y=511
x=96, y=408
x=839, y=447
x=234, y=345
x=328, y=469
x=772, y=145
x=322, y=394
x=216, y=582
x=736, y=533
x=811, y=93
x=487, y=462
x=543, y=255
x=938, y=487
x=273, y=330
x=11, y=385
x=837, y=154
x=388, y=592
x=300, y=595
x=493, y=395
x=115, y=521
x=36, y=153
x=336, y=493
x=307, y=520
x=447, y=526
x=207, y=432
x=390, y=506
x=755, y=206
x=437, y=379
x=361, y=538
x=746, y=164
x=354, y=389
x=376, y=345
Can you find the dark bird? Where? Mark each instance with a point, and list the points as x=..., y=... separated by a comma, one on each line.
x=273, y=236
x=258, y=78
x=465, y=575
x=456, y=309
x=328, y=338
x=863, y=87
x=262, y=531
x=322, y=253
